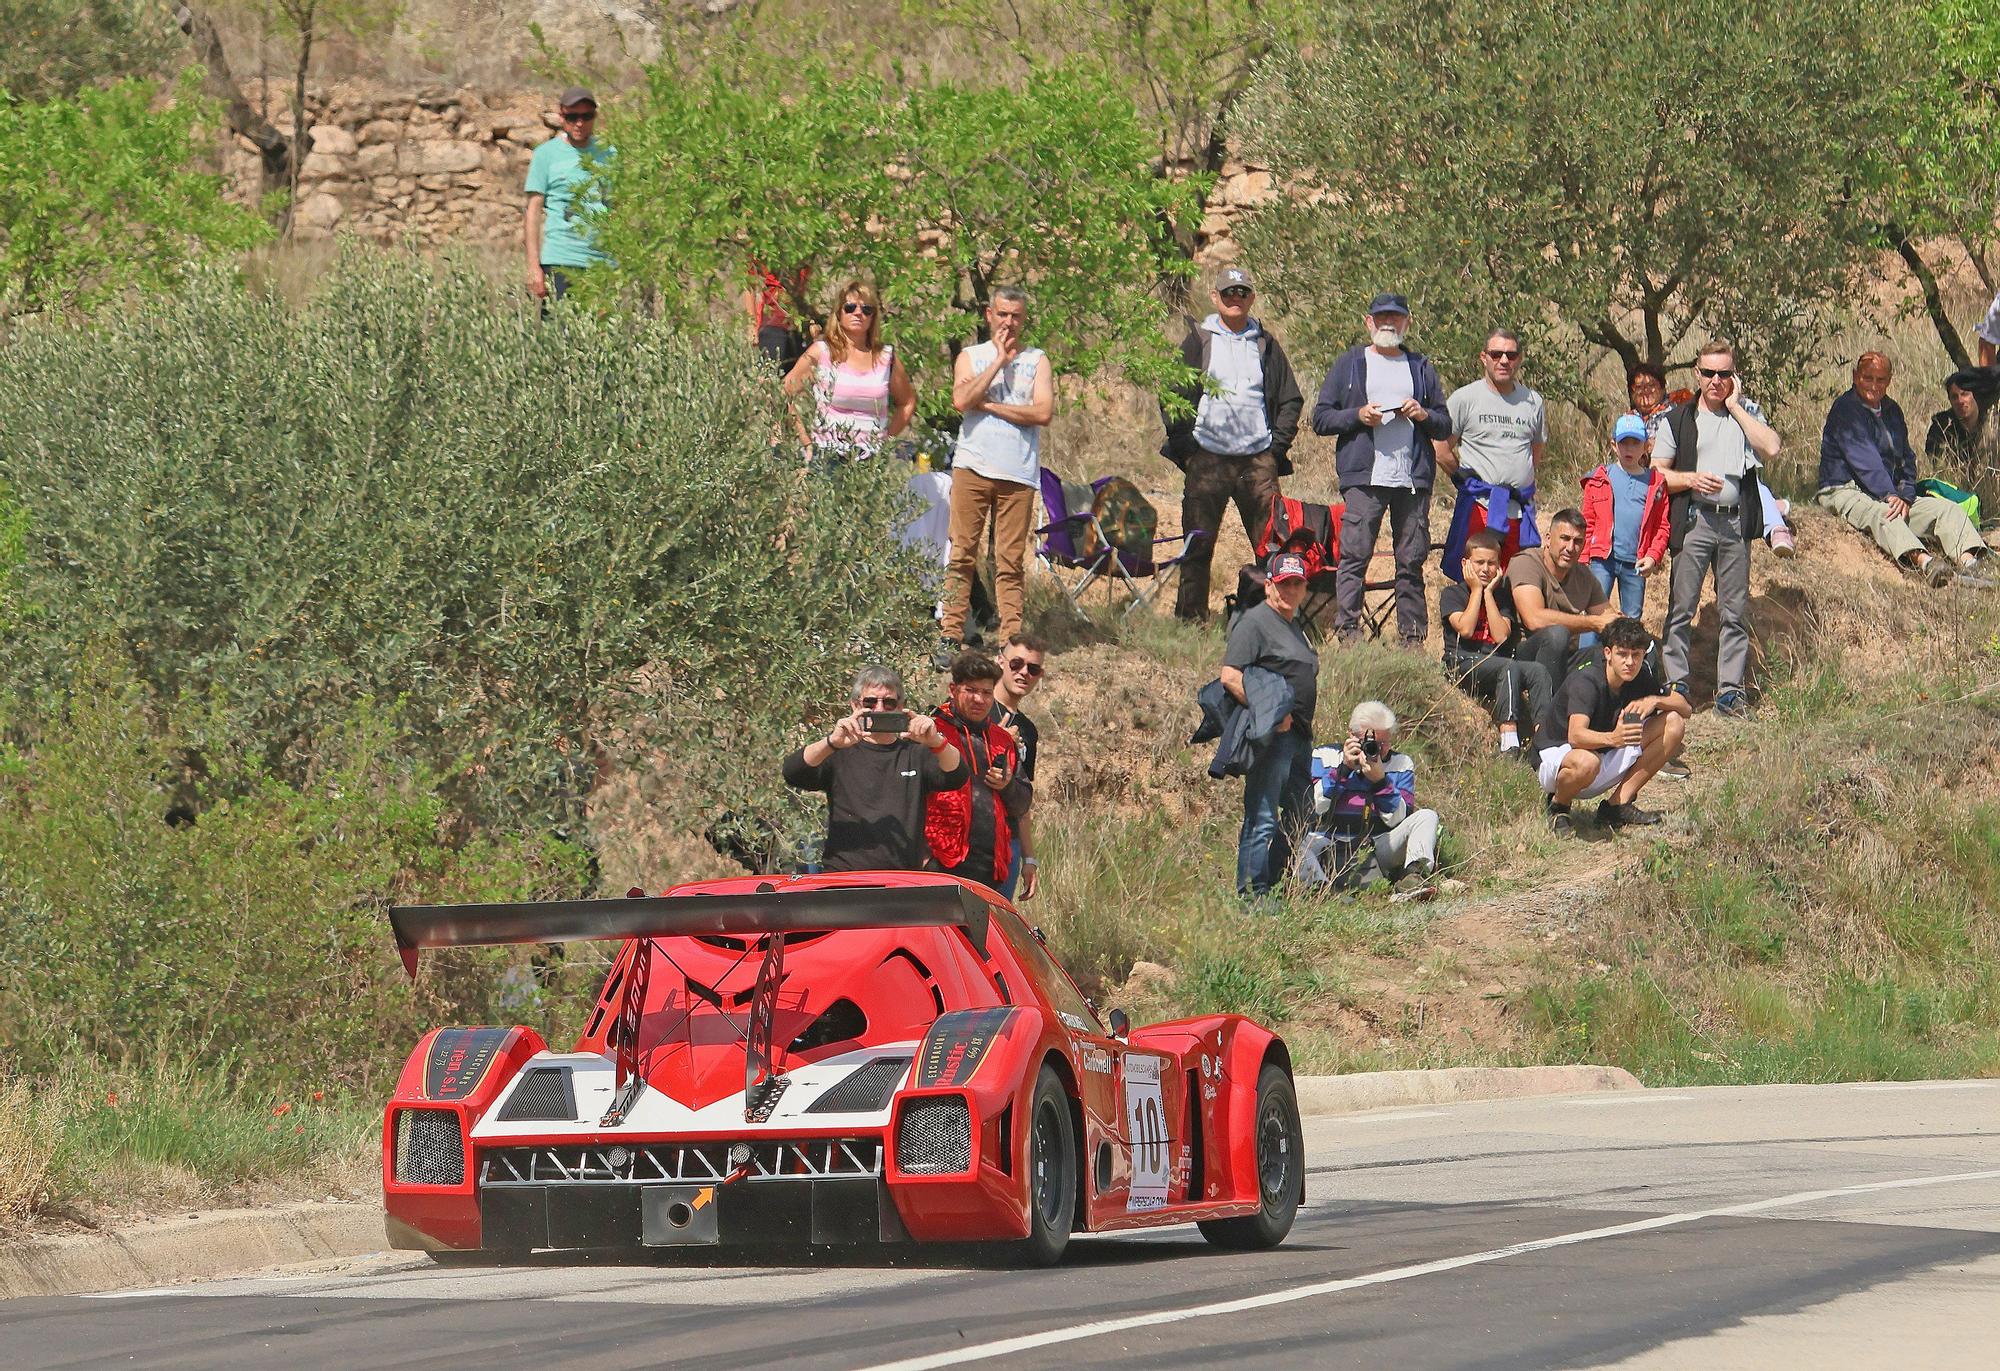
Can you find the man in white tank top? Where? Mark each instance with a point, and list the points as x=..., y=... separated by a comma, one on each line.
x=1007, y=394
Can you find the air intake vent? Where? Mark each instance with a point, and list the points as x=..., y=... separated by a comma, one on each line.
x=935, y=1138
x=865, y=1090
x=542, y=1096
x=430, y=1150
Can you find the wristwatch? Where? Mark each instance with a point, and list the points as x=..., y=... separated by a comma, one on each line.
x=1029, y=861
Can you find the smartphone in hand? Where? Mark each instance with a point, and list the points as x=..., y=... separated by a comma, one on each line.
x=885, y=721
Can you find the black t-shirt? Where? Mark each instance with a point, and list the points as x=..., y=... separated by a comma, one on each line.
x=1263, y=637
x=1031, y=738
x=1586, y=690
x=874, y=803
x=1455, y=597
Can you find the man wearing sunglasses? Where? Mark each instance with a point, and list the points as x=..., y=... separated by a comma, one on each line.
x=1021, y=666
x=1498, y=430
x=1711, y=451
x=876, y=782
x=1232, y=446
x=563, y=190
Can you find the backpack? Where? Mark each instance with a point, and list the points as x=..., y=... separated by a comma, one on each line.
x=1127, y=517
x=1945, y=490
x=1312, y=531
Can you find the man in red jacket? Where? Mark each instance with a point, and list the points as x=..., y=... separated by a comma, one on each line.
x=970, y=828
x=1625, y=517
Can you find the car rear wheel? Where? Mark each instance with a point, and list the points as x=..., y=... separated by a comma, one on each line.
x=1051, y=1172
x=1281, y=1168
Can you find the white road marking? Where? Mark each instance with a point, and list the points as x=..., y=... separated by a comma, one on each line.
x=1925, y=1085
x=1624, y=1097
x=1077, y=1332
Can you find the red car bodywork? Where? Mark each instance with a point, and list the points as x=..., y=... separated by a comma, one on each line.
x=1163, y=1119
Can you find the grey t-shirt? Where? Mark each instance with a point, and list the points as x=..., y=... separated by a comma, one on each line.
x=1389, y=384
x=1263, y=637
x=1577, y=592
x=1719, y=447
x=1495, y=432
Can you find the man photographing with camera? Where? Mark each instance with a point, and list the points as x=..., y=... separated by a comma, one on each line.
x=877, y=767
x=1365, y=793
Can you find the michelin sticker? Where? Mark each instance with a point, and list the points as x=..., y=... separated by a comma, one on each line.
x=1146, y=1132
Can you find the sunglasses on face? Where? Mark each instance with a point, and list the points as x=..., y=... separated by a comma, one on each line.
x=1236, y=293
x=1716, y=375
x=1503, y=354
x=1034, y=669
x=856, y=307
x=879, y=702
x=579, y=116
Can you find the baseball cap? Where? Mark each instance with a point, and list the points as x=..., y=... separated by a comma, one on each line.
x=1629, y=426
x=1388, y=302
x=1232, y=276
x=574, y=96
x=1285, y=566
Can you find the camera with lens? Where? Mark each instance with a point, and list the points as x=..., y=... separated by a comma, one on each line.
x=1370, y=748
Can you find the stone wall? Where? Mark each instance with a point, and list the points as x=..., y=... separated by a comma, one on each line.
x=438, y=165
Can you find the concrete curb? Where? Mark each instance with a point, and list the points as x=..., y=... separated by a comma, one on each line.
x=1455, y=1085
x=223, y=1243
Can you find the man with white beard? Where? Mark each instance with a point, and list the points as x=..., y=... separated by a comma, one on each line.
x=1385, y=405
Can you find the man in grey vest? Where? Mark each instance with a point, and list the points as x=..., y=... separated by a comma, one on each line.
x=1007, y=394
x=1711, y=450
x=1232, y=445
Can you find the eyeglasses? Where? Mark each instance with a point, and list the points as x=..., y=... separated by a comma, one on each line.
x=579, y=116
x=878, y=702
x=1235, y=293
x=1034, y=669
x=1716, y=375
x=856, y=307
x=1503, y=354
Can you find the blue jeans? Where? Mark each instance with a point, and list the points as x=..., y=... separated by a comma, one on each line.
x=1013, y=869
x=1631, y=585
x=1275, y=809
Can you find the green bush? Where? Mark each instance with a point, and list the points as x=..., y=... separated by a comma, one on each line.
x=526, y=541
x=253, y=932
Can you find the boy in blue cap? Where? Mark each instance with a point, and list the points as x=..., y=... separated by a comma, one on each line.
x=1625, y=517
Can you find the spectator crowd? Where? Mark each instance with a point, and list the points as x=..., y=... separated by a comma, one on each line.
x=1541, y=614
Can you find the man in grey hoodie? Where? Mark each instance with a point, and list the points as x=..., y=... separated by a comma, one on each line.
x=1233, y=445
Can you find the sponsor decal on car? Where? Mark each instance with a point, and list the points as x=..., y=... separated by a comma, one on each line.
x=459, y=1060
x=1098, y=1060
x=1146, y=1132
x=957, y=1043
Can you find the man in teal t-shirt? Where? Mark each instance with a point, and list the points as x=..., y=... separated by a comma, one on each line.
x=561, y=192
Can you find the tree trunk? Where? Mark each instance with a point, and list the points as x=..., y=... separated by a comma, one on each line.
x=301, y=135
x=273, y=148
x=1954, y=346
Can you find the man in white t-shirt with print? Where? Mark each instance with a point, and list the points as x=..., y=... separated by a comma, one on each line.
x=1498, y=430
x=1007, y=394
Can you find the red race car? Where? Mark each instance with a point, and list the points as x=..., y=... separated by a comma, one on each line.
x=864, y=1057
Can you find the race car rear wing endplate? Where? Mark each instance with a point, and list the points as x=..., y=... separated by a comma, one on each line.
x=818, y=910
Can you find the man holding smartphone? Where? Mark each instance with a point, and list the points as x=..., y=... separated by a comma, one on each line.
x=1608, y=731
x=970, y=826
x=877, y=768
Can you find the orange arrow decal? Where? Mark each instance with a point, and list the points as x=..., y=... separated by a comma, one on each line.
x=703, y=1196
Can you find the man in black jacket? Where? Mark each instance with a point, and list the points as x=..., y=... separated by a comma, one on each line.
x=1233, y=445
x=1386, y=406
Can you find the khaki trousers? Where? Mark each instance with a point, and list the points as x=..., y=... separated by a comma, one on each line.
x=1011, y=507
x=1929, y=520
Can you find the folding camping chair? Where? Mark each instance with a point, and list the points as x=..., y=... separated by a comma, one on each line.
x=1074, y=539
x=1313, y=531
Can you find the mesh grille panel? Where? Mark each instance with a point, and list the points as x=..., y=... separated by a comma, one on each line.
x=865, y=1090
x=935, y=1137
x=429, y=1148
x=543, y=1095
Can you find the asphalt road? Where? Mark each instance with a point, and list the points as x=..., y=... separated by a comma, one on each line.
x=1832, y=1226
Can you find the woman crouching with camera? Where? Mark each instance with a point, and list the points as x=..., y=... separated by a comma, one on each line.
x=1365, y=793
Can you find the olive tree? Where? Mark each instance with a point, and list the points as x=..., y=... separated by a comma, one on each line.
x=1674, y=173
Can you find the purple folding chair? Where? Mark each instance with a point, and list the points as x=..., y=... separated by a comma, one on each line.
x=1070, y=511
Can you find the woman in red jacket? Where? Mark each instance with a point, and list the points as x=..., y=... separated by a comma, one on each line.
x=1625, y=517
x=969, y=828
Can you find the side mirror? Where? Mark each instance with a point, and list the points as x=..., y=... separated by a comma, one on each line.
x=1121, y=1026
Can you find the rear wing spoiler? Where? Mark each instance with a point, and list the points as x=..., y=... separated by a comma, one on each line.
x=774, y=910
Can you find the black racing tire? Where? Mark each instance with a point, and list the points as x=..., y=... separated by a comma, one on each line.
x=1051, y=1172
x=1281, y=1168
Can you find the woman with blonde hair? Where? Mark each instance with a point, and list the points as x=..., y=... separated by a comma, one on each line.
x=861, y=393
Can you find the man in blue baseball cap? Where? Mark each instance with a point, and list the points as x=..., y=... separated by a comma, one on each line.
x=1385, y=407
x=1278, y=789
